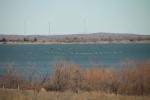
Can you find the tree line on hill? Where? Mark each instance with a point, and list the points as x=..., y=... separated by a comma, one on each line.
x=76, y=38
x=24, y=39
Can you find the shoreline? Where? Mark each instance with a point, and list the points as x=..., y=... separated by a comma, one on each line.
x=99, y=42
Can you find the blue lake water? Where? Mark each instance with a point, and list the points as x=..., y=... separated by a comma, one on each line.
x=85, y=55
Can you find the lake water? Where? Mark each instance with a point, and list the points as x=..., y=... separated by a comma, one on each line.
x=85, y=55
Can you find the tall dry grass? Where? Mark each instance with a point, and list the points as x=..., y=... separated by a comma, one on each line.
x=30, y=95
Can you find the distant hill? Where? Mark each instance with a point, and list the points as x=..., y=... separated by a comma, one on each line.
x=92, y=36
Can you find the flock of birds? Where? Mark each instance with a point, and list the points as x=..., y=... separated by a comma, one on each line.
x=76, y=50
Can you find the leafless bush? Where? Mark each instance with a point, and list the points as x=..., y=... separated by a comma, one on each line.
x=92, y=79
x=33, y=79
x=29, y=78
x=135, y=78
x=130, y=79
x=11, y=77
x=65, y=76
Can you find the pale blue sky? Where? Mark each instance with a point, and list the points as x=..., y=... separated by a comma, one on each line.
x=67, y=16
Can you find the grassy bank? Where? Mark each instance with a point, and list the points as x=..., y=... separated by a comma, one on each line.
x=30, y=95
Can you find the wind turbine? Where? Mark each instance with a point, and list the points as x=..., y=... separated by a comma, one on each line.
x=25, y=27
x=49, y=26
x=84, y=26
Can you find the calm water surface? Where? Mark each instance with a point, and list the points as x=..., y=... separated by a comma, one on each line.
x=85, y=55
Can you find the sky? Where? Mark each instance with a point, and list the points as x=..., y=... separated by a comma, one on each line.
x=30, y=17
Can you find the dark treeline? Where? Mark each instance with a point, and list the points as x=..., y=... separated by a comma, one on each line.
x=133, y=78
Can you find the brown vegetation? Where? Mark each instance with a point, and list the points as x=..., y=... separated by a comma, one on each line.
x=29, y=95
x=132, y=78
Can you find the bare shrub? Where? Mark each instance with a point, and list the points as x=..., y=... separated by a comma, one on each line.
x=11, y=77
x=32, y=78
x=110, y=81
x=65, y=76
x=130, y=79
x=135, y=78
x=92, y=79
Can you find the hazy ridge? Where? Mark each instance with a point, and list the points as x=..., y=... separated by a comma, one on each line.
x=102, y=36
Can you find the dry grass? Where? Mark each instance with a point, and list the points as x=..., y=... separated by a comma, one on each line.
x=12, y=94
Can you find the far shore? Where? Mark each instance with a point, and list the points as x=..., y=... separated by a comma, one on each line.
x=99, y=42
